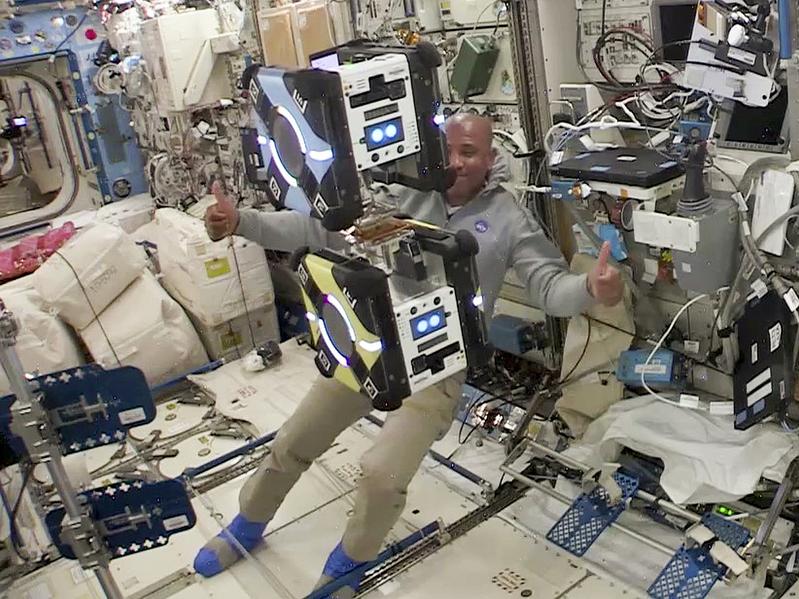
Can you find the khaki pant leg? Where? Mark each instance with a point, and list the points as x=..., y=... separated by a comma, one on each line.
x=323, y=414
x=391, y=463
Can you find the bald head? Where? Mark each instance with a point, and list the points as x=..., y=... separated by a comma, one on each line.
x=480, y=128
x=471, y=155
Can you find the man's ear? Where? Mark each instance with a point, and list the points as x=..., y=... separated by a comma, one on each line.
x=494, y=154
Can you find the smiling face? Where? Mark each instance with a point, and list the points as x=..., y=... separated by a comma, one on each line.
x=471, y=155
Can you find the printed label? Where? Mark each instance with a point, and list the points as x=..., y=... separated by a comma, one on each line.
x=217, y=267
x=742, y=56
x=171, y=524
x=689, y=401
x=792, y=300
x=133, y=416
x=722, y=408
x=650, y=369
x=775, y=337
x=759, y=287
x=102, y=279
x=230, y=340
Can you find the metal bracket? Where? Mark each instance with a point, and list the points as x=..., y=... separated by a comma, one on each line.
x=759, y=554
x=692, y=571
x=129, y=517
x=590, y=515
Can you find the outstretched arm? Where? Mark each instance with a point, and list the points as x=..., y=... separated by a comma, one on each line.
x=284, y=231
x=541, y=267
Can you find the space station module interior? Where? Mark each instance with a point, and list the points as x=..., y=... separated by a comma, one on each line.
x=646, y=448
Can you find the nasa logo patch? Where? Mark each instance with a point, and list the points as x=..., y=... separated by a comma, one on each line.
x=481, y=226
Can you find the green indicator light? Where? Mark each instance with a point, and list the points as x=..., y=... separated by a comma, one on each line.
x=725, y=511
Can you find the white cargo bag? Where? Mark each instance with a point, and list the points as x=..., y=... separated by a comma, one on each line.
x=202, y=274
x=44, y=343
x=128, y=214
x=147, y=329
x=104, y=258
x=234, y=339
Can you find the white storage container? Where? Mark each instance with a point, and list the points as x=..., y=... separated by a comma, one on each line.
x=104, y=258
x=147, y=329
x=233, y=340
x=172, y=46
x=128, y=214
x=202, y=274
x=44, y=343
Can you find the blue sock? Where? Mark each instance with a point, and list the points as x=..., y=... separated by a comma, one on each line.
x=220, y=553
x=339, y=563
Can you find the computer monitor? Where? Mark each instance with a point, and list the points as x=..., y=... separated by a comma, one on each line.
x=673, y=21
x=757, y=129
x=326, y=60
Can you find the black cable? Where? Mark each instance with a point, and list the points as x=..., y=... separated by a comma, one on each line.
x=71, y=33
x=476, y=403
x=504, y=402
x=728, y=298
x=640, y=338
x=88, y=301
x=468, y=436
x=472, y=406
x=565, y=379
x=624, y=36
x=25, y=480
x=654, y=54
x=604, y=12
x=243, y=294
x=660, y=49
x=603, y=85
x=12, y=516
x=604, y=205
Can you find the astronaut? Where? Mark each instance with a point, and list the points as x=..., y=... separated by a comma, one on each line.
x=508, y=237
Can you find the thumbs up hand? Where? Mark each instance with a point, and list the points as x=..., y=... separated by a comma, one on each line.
x=222, y=218
x=604, y=281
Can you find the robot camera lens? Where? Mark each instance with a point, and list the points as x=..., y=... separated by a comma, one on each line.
x=377, y=135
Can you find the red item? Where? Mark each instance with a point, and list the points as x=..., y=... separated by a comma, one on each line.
x=32, y=251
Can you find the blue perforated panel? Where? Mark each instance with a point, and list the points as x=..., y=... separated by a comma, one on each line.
x=691, y=573
x=131, y=517
x=117, y=400
x=38, y=35
x=589, y=515
x=728, y=531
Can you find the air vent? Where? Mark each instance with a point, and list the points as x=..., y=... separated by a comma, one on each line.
x=349, y=472
x=508, y=580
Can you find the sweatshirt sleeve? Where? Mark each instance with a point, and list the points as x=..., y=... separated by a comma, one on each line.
x=286, y=231
x=543, y=270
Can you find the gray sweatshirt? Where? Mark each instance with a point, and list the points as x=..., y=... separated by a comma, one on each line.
x=508, y=236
